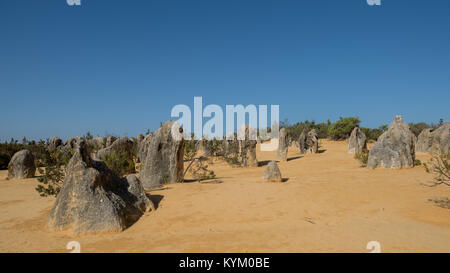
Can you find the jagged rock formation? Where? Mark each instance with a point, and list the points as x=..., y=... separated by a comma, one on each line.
x=140, y=138
x=357, y=142
x=424, y=141
x=123, y=145
x=97, y=143
x=55, y=142
x=302, y=142
x=109, y=141
x=394, y=148
x=441, y=139
x=92, y=199
x=312, y=142
x=434, y=141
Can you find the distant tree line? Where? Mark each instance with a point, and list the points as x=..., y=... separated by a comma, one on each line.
x=342, y=128
x=338, y=130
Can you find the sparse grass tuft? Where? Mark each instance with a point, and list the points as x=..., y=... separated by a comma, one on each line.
x=362, y=157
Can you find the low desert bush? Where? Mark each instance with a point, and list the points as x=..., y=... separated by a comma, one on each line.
x=190, y=150
x=362, y=158
x=232, y=154
x=200, y=171
x=120, y=163
x=439, y=166
x=214, y=147
x=53, y=172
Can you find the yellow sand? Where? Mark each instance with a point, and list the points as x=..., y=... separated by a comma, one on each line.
x=328, y=204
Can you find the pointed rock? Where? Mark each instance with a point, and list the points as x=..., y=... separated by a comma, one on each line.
x=272, y=172
x=357, y=142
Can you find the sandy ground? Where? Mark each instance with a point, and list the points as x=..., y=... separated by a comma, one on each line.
x=327, y=204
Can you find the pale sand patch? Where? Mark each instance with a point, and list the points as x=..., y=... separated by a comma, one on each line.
x=328, y=204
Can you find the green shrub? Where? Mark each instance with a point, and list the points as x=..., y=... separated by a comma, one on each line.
x=214, y=147
x=362, y=157
x=120, y=163
x=374, y=134
x=190, y=150
x=232, y=154
x=294, y=131
x=53, y=172
x=7, y=150
x=342, y=128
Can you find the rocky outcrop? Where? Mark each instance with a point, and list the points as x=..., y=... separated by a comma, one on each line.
x=55, y=142
x=71, y=143
x=357, y=142
x=312, y=142
x=272, y=172
x=424, y=141
x=21, y=165
x=302, y=142
x=110, y=140
x=97, y=143
x=441, y=139
x=143, y=148
x=140, y=138
x=434, y=141
x=394, y=148
x=122, y=145
x=164, y=162
x=282, y=145
x=247, y=147
x=92, y=199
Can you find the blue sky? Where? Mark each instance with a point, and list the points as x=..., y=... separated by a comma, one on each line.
x=118, y=67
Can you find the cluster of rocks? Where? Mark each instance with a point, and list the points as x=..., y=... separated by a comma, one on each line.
x=93, y=199
x=395, y=148
x=434, y=141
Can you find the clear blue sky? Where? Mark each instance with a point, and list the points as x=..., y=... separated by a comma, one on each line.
x=116, y=66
